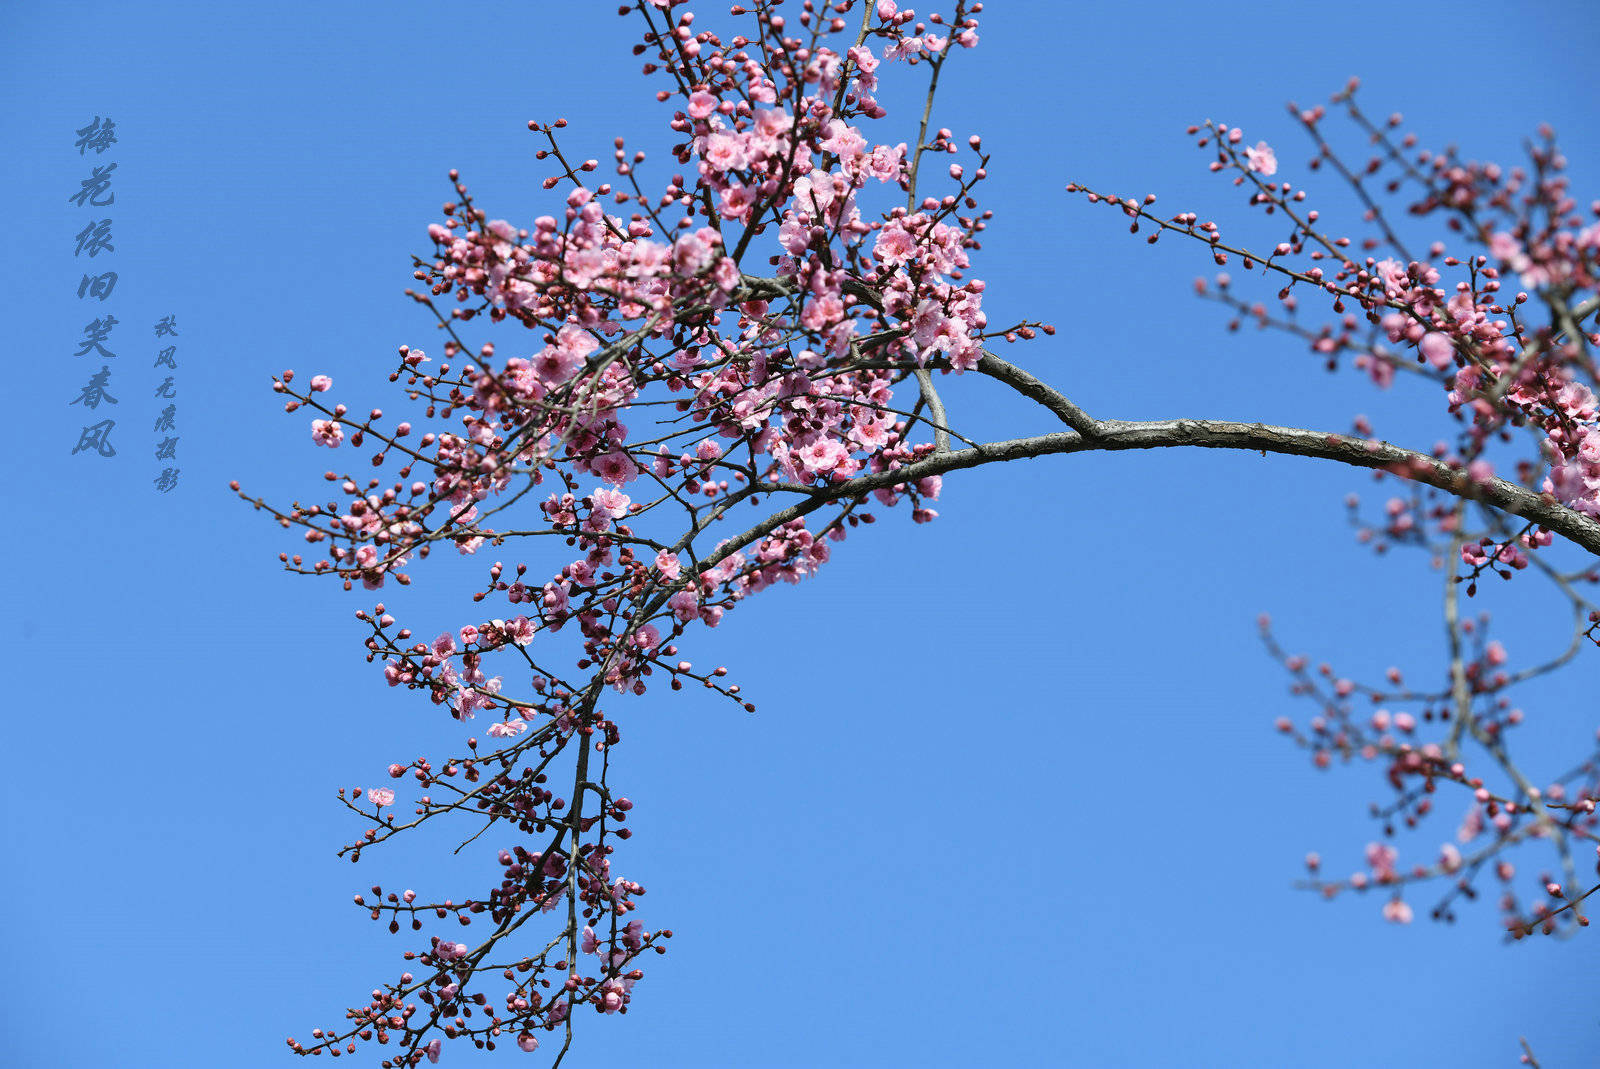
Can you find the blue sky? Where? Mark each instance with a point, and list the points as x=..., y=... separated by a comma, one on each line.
x=1012, y=793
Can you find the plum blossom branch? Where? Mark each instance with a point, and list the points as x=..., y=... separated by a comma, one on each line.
x=673, y=388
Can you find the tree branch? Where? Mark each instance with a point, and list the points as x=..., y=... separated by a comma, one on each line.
x=1034, y=389
x=1113, y=434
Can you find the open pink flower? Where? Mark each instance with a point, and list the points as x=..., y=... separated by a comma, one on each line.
x=701, y=104
x=1262, y=159
x=612, y=503
x=326, y=432
x=616, y=468
x=725, y=152
x=736, y=202
x=1396, y=911
x=822, y=456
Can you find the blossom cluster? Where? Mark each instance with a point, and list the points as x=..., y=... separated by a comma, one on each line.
x=671, y=390
x=1508, y=376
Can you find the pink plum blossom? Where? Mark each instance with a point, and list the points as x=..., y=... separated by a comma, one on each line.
x=1396, y=911
x=326, y=432
x=701, y=104
x=616, y=467
x=1262, y=159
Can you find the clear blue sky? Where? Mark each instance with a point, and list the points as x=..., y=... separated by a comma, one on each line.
x=1012, y=795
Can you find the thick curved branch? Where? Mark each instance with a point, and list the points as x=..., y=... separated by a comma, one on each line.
x=1217, y=434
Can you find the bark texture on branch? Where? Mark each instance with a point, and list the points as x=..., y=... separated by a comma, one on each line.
x=1113, y=434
